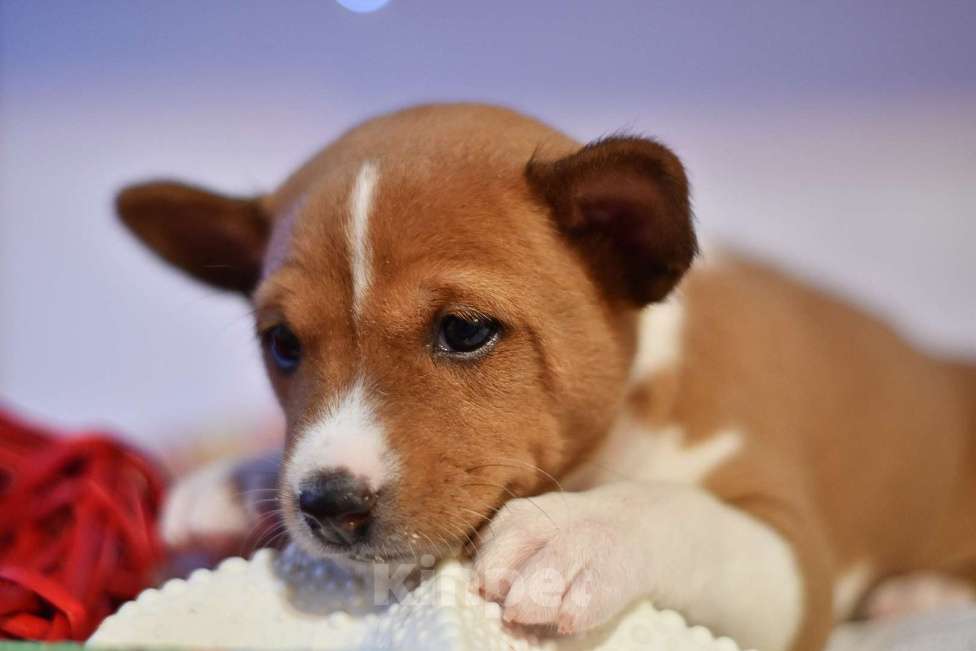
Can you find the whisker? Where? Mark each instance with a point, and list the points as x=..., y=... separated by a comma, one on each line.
x=504, y=461
x=486, y=519
x=253, y=540
x=260, y=530
x=514, y=496
x=410, y=546
x=277, y=537
x=459, y=529
x=433, y=546
x=263, y=500
x=445, y=546
x=251, y=491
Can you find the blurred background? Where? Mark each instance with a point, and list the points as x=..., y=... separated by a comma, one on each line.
x=838, y=138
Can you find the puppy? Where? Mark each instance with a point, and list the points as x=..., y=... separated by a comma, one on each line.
x=481, y=331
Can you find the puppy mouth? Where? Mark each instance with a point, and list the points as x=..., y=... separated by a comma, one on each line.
x=371, y=553
x=330, y=534
x=377, y=548
x=380, y=534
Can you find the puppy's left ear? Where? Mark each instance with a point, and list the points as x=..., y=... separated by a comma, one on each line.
x=217, y=239
x=623, y=203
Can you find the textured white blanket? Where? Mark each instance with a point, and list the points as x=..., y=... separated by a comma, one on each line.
x=289, y=602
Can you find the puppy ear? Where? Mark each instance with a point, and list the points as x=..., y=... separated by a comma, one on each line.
x=216, y=239
x=623, y=202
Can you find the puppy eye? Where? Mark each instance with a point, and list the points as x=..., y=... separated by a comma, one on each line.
x=283, y=347
x=466, y=334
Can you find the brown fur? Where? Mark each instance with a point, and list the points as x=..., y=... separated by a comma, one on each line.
x=539, y=399
x=858, y=448
x=861, y=448
x=226, y=253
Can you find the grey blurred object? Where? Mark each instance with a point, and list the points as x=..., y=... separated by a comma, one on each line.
x=943, y=630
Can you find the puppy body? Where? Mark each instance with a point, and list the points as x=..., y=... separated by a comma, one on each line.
x=814, y=419
x=739, y=447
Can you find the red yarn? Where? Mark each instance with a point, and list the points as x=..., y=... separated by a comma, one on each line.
x=78, y=533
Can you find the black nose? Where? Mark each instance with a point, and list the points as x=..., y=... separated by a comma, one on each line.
x=336, y=506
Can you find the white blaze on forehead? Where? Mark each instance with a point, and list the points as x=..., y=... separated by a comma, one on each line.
x=346, y=436
x=360, y=203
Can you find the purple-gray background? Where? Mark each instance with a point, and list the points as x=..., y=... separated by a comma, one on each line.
x=836, y=137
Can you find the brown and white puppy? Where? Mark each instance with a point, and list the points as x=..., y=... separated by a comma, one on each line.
x=463, y=309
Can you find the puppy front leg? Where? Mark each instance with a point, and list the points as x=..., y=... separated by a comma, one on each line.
x=574, y=560
x=217, y=507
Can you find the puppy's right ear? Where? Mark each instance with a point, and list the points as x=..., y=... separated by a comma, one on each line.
x=217, y=239
x=623, y=203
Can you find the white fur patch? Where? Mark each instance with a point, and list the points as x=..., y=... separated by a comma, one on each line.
x=660, y=334
x=632, y=451
x=576, y=559
x=360, y=203
x=919, y=592
x=204, y=505
x=732, y=572
x=849, y=588
x=347, y=436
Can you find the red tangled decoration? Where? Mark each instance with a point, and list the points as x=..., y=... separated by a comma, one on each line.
x=78, y=532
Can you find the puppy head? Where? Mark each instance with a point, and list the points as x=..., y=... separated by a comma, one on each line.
x=447, y=301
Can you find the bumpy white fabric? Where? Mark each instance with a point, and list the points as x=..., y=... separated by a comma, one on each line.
x=288, y=601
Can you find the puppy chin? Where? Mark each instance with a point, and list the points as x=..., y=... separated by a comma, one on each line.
x=312, y=545
x=317, y=550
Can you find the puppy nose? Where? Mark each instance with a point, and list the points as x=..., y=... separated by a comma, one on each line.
x=336, y=506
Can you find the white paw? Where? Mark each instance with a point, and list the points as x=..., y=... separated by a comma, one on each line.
x=556, y=560
x=205, y=508
x=917, y=593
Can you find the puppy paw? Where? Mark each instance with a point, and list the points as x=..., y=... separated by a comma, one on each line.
x=205, y=510
x=917, y=593
x=555, y=560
